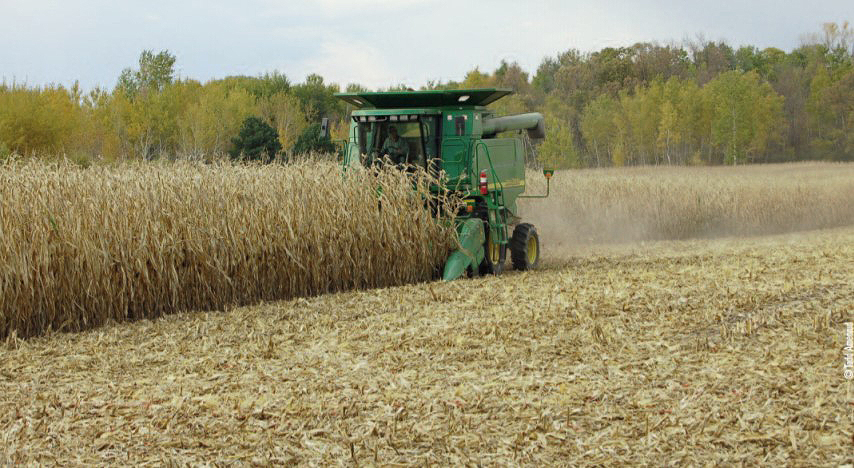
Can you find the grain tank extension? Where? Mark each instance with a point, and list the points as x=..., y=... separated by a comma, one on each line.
x=453, y=131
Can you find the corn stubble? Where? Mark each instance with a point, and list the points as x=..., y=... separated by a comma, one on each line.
x=717, y=352
x=81, y=247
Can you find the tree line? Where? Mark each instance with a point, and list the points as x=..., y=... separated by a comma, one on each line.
x=151, y=114
x=700, y=102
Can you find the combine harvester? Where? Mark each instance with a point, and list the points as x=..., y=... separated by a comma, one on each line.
x=453, y=132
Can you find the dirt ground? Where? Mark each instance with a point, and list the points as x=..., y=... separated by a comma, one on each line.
x=719, y=352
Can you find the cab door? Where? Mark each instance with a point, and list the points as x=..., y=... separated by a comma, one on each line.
x=456, y=140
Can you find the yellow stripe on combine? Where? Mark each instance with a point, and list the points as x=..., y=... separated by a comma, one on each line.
x=509, y=183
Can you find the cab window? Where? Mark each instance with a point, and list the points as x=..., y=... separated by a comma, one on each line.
x=418, y=134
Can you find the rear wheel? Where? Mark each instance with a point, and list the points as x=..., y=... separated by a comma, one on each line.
x=494, y=255
x=525, y=247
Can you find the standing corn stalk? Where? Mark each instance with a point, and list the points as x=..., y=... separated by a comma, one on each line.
x=83, y=246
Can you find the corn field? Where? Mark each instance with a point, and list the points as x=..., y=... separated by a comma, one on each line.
x=84, y=246
x=654, y=353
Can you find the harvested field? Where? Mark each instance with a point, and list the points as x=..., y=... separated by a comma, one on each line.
x=655, y=203
x=84, y=246
x=701, y=352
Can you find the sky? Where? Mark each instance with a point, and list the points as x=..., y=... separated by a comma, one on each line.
x=376, y=43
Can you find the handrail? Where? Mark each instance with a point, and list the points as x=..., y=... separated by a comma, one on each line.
x=499, y=195
x=491, y=167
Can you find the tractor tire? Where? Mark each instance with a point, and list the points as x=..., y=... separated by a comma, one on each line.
x=525, y=247
x=494, y=256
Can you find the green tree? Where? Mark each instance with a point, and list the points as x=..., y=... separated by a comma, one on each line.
x=148, y=123
x=832, y=115
x=148, y=104
x=154, y=73
x=642, y=112
x=558, y=150
x=544, y=79
x=513, y=104
x=746, y=115
x=613, y=68
x=97, y=136
x=356, y=88
x=653, y=61
x=39, y=120
x=312, y=141
x=693, y=121
x=317, y=99
x=599, y=127
x=257, y=141
x=261, y=87
x=711, y=59
x=620, y=152
x=668, y=131
x=477, y=79
x=283, y=111
x=216, y=113
x=511, y=75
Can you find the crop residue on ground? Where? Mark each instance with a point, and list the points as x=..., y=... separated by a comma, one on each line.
x=722, y=352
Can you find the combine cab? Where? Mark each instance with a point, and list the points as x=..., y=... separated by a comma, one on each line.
x=452, y=133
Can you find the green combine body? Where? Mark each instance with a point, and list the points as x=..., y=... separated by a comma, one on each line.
x=453, y=133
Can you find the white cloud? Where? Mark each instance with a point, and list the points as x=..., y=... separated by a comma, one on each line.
x=377, y=43
x=347, y=6
x=346, y=61
x=332, y=8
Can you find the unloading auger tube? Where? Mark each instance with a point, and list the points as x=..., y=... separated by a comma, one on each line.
x=533, y=122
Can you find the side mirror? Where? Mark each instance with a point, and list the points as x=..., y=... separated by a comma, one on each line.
x=324, y=127
x=548, y=175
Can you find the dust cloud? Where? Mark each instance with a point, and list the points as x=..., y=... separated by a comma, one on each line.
x=630, y=205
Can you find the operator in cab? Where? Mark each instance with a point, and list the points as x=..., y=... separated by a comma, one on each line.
x=395, y=147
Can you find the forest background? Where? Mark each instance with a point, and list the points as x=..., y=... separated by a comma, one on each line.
x=694, y=103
